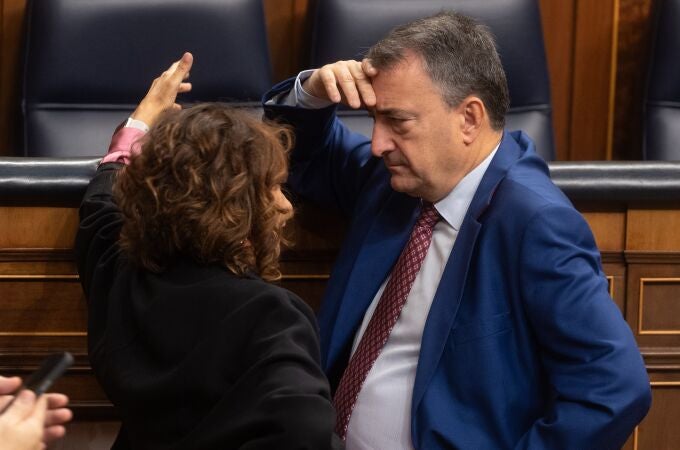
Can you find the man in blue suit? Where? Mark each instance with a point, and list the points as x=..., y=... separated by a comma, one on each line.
x=507, y=337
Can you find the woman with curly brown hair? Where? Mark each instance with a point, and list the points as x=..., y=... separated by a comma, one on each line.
x=179, y=234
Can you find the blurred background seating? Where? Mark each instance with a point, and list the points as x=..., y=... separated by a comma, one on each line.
x=662, y=103
x=87, y=64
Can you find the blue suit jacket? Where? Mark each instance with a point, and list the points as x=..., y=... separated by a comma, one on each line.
x=523, y=346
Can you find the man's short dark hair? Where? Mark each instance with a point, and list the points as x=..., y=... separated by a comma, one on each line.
x=458, y=53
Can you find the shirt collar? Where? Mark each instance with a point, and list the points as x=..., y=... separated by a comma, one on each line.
x=454, y=206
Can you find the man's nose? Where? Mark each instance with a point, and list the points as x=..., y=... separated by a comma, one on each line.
x=381, y=141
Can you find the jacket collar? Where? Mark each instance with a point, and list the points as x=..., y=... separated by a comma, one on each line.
x=454, y=206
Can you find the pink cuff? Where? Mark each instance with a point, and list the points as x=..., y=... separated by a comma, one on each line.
x=124, y=144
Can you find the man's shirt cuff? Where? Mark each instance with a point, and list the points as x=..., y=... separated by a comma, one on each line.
x=298, y=97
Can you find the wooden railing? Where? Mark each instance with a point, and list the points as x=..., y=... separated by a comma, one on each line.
x=632, y=208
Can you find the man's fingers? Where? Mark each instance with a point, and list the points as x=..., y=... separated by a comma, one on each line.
x=4, y=400
x=363, y=84
x=53, y=433
x=368, y=68
x=348, y=84
x=58, y=416
x=344, y=81
x=9, y=384
x=40, y=410
x=21, y=408
x=330, y=84
x=56, y=400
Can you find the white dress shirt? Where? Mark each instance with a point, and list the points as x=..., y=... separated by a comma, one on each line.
x=382, y=415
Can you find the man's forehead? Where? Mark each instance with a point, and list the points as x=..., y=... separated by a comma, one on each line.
x=402, y=86
x=410, y=63
x=391, y=100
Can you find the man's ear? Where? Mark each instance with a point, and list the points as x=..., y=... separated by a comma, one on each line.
x=474, y=115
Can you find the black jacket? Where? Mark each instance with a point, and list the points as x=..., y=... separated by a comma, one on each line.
x=195, y=357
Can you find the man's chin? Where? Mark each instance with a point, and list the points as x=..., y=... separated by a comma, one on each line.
x=399, y=184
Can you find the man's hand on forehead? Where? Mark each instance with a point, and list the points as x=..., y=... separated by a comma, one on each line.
x=347, y=82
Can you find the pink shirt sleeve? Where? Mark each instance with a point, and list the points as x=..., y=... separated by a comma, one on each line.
x=124, y=143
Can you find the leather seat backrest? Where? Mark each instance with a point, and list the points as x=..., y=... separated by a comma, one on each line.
x=662, y=105
x=88, y=63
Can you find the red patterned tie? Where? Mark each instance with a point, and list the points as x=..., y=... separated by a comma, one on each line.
x=384, y=317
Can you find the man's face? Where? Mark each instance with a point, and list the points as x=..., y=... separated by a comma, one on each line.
x=416, y=133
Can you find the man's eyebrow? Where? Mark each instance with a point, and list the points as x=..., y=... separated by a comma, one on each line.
x=391, y=112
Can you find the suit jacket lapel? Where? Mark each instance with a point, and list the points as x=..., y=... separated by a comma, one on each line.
x=449, y=293
x=379, y=251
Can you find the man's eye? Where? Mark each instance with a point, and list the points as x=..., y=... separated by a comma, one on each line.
x=401, y=125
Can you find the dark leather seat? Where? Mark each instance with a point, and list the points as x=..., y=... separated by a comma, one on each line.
x=45, y=181
x=345, y=29
x=662, y=107
x=88, y=63
x=62, y=181
x=618, y=182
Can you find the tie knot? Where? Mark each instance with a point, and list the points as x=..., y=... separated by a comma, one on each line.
x=428, y=216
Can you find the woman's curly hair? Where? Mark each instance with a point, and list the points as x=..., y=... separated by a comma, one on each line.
x=203, y=187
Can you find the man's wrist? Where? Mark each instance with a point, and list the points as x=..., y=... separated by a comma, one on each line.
x=303, y=98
